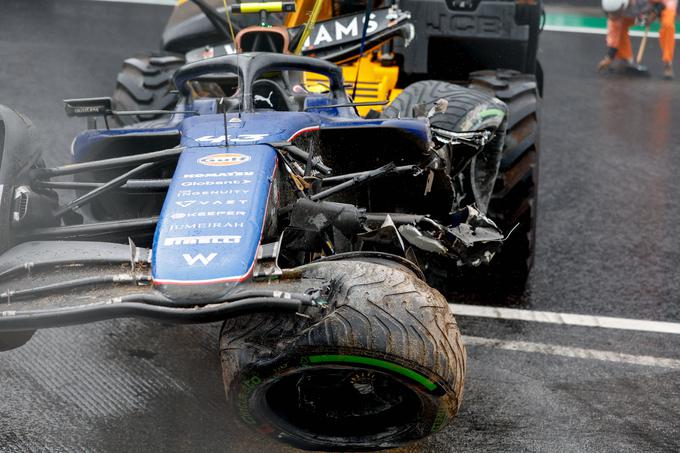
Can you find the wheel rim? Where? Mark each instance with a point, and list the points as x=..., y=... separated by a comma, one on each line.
x=357, y=405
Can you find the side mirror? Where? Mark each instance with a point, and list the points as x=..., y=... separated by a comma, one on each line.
x=86, y=107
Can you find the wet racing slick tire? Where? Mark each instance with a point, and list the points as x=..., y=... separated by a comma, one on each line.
x=382, y=365
x=19, y=153
x=514, y=201
x=145, y=83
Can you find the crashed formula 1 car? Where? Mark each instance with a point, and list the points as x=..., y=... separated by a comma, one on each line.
x=489, y=45
x=308, y=229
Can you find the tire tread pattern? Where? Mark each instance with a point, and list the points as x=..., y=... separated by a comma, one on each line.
x=461, y=99
x=374, y=310
x=145, y=83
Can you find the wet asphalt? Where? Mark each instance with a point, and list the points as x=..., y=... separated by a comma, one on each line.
x=607, y=244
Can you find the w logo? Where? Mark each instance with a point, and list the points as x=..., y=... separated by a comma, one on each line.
x=191, y=260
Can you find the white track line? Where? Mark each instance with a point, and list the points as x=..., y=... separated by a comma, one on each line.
x=596, y=31
x=585, y=30
x=605, y=322
x=578, y=353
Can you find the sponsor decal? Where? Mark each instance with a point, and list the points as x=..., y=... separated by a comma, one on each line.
x=216, y=183
x=187, y=203
x=193, y=240
x=195, y=193
x=183, y=215
x=223, y=159
x=220, y=175
x=205, y=225
x=268, y=99
x=88, y=109
x=339, y=30
x=191, y=260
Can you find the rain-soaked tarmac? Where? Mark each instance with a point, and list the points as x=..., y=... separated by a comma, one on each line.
x=607, y=244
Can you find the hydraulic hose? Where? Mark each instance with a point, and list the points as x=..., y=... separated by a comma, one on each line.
x=58, y=317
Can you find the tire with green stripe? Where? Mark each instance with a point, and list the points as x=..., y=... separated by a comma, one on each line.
x=381, y=366
x=514, y=201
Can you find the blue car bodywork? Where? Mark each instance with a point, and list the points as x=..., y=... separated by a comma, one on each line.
x=238, y=184
x=212, y=220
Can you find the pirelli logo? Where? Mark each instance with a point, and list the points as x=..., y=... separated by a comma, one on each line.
x=193, y=240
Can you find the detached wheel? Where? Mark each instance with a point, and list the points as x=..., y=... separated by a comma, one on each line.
x=382, y=366
x=145, y=83
x=514, y=200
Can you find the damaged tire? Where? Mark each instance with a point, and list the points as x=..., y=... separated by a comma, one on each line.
x=514, y=200
x=381, y=366
x=462, y=102
x=145, y=83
